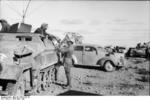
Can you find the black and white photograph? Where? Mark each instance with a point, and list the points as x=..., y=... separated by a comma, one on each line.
x=74, y=48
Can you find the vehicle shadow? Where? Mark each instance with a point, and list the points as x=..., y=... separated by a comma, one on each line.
x=95, y=68
x=77, y=93
x=144, y=75
x=89, y=67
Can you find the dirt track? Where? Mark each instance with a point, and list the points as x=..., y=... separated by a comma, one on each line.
x=131, y=80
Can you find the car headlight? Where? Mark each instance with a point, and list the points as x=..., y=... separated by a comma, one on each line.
x=2, y=57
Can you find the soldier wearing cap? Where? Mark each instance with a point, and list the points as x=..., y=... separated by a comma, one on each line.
x=67, y=61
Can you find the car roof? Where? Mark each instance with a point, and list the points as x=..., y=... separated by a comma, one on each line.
x=87, y=44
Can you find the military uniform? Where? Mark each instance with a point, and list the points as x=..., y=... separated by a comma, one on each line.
x=67, y=53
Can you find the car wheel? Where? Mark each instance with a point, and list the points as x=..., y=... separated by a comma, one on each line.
x=108, y=66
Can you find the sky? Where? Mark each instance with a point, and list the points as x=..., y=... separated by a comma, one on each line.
x=123, y=23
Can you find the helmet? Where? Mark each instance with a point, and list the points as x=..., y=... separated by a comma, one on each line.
x=3, y=21
x=44, y=25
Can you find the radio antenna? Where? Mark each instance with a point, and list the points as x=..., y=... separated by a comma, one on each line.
x=24, y=14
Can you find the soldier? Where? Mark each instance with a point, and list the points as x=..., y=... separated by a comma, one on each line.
x=5, y=26
x=42, y=29
x=138, y=46
x=67, y=61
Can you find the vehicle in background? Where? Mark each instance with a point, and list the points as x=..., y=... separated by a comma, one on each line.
x=141, y=51
x=119, y=49
x=93, y=55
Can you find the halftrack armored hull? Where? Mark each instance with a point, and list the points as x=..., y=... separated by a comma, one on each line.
x=27, y=62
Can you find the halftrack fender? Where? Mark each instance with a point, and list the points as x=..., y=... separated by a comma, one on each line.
x=102, y=61
x=11, y=72
x=45, y=59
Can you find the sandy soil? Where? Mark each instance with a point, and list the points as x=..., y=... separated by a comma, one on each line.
x=130, y=80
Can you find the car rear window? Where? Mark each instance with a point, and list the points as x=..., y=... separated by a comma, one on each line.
x=90, y=49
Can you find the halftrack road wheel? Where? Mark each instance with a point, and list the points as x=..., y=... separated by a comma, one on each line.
x=45, y=80
x=51, y=76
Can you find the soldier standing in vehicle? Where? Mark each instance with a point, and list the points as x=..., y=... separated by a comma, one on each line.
x=42, y=29
x=5, y=26
x=67, y=53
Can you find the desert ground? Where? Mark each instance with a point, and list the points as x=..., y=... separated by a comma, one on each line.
x=133, y=79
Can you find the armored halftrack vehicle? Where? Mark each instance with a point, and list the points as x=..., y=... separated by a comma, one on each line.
x=27, y=61
x=138, y=52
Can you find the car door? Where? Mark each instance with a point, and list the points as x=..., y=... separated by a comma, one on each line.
x=90, y=55
x=78, y=53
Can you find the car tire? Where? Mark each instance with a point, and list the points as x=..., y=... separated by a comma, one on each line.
x=109, y=66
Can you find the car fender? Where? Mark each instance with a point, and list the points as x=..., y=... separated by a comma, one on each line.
x=102, y=61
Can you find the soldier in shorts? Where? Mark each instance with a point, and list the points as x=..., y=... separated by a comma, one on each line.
x=67, y=61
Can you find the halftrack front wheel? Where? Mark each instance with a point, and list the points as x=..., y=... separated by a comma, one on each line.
x=16, y=89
